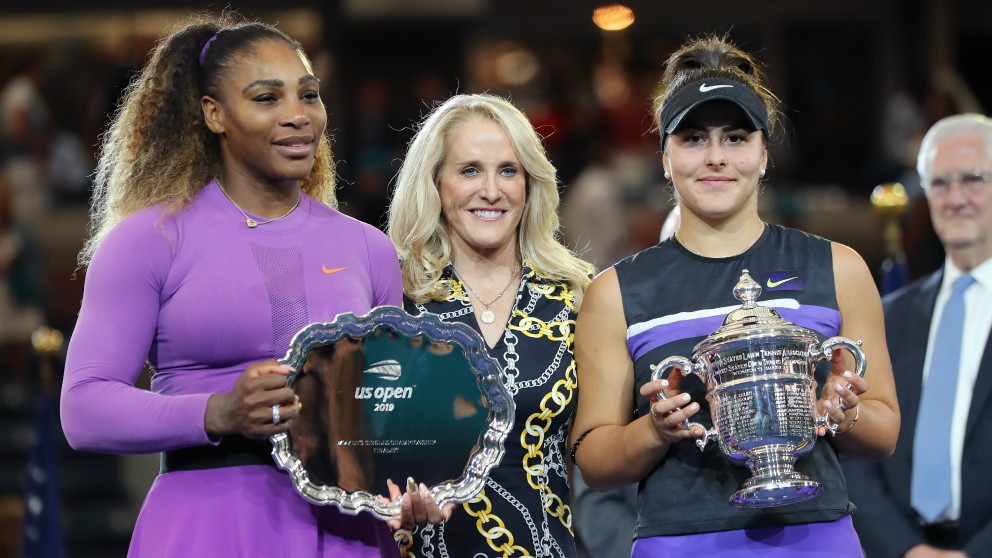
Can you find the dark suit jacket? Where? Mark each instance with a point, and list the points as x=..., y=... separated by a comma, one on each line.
x=885, y=520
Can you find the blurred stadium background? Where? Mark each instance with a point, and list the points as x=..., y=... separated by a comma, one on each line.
x=861, y=81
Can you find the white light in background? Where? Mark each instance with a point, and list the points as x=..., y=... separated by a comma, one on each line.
x=611, y=86
x=517, y=67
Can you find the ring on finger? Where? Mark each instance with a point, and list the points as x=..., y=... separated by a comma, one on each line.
x=653, y=413
x=275, y=414
x=841, y=404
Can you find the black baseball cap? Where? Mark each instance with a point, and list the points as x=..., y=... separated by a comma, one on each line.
x=695, y=93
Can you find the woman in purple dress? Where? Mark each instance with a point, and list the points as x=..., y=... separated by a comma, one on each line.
x=214, y=239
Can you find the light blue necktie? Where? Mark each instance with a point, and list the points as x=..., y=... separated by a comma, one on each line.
x=931, y=484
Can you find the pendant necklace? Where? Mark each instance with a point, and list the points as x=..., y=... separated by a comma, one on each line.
x=248, y=220
x=487, y=316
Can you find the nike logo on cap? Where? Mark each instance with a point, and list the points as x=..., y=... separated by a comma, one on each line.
x=703, y=88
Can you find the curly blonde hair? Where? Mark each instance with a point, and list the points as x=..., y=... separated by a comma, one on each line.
x=157, y=149
x=416, y=223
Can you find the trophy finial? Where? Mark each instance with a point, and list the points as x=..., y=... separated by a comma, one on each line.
x=889, y=200
x=747, y=290
x=47, y=343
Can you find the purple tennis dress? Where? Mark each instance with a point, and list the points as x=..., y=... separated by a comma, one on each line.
x=199, y=296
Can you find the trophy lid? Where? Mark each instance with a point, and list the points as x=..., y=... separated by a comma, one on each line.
x=751, y=319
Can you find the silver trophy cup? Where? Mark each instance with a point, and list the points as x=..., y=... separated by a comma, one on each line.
x=758, y=370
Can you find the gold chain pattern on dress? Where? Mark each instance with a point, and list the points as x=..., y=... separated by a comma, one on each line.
x=535, y=327
x=483, y=515
x=455, y=287
x=567, y=295
x=553, y=404
x=536, y=430
x=404, y=540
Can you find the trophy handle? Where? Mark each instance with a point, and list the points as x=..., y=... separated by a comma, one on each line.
x=826, y=350
x=661, y=371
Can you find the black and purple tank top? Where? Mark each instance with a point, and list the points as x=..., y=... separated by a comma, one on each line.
x=672, y=300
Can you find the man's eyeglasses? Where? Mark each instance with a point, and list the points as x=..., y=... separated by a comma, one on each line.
x=971, y=182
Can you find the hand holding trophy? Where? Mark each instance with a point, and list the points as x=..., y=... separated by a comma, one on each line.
x=758, y=369
x=390, y=400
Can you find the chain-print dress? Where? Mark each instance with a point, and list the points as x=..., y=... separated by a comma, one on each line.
x=523, y=509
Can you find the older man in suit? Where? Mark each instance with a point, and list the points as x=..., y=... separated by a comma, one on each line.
x=934, y=496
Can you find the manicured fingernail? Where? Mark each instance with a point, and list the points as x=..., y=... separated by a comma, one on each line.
x=423, y=489
x=411, y=486
x=693, y=407
x=847, y=375
x=838, y=389
x=664, y=383
x=828, y=404
x=686, y=397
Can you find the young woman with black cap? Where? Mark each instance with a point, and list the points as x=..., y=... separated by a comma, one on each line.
x=715, y=118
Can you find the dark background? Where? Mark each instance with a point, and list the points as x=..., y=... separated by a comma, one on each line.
x=860, y=80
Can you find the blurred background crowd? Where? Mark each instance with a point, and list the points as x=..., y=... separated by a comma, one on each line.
x=861, y=81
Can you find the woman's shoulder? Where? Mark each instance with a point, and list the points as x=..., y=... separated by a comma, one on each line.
x=168, y=222
x=145, y=225
x=340, y=220
x=533, y=273
x=839, y=256
x=793, y=236
x=144, y=217
x=648, y=259
x=149, y=234
x=850, y=269
x=354, y=229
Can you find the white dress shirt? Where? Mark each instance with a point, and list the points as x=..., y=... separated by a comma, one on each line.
x=977, y=324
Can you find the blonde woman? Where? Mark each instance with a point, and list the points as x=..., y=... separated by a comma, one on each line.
x=474, y=219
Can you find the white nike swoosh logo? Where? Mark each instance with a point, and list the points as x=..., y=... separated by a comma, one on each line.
x=703, y=88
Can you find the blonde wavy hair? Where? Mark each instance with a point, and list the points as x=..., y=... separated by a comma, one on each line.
x=416, y=223
x=157, y=149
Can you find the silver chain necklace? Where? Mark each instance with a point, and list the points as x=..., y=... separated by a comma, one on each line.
x=487, y=315
x=248, y=220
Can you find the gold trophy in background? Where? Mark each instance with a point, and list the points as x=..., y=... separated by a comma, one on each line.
x=890, y=201
x=47, y=343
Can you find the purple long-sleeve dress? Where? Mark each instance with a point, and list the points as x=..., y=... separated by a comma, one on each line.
x=199, y=296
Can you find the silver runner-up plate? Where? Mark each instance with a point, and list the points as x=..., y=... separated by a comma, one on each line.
x=391, y=396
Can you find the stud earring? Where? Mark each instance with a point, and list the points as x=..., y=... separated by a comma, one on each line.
x=762, y=173
x=667, y=175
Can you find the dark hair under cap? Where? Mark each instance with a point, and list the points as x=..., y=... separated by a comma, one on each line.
x=695, y=93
